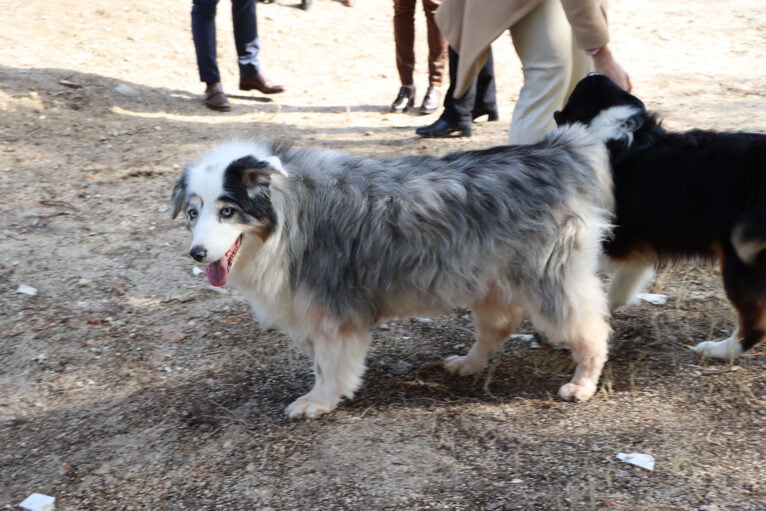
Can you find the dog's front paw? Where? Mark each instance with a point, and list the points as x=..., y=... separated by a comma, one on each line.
x=305, y=408
x=463, y=366
x=577, y=391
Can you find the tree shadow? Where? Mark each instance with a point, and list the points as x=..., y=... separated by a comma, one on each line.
x=59, y=86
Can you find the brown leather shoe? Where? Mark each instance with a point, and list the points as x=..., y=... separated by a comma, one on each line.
x=258, y=81
x=215, y=99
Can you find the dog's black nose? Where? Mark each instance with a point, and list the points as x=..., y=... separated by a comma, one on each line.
x=198, y=253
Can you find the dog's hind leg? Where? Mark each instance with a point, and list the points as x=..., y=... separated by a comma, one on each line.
x=629, y=278
x=581, y=323
x=728, y=349
x=589, y=350
x=745, y=286
x=495, y=321
x=338, y=355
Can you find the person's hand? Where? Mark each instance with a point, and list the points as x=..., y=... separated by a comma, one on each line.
x=605, y=64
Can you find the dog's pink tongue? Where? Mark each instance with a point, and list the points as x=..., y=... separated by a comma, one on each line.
x=216, y=272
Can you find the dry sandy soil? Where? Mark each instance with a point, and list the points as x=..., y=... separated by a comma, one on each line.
x=127, y=382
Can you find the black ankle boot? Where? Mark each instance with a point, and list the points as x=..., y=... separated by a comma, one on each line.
x=404, y=100
x=491, y=114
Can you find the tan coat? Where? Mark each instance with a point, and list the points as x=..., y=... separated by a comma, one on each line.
x=471, y=26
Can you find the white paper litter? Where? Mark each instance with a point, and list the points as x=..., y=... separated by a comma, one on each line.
x=126, y=90
x=27, y=290
x=645, y=461
x=196, y=270
x=530, y=338
x=39, y=502
x=653, y=298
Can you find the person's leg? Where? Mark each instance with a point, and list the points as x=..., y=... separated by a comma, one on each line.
x=404, y=40
x=437, y=46
x=457, y=111
x=246, y=36
x=437, y=59
x=246, y=39
x=486, y=94
x=203, y=34
x=543, y=42
x=404, y=44
x=457, y=114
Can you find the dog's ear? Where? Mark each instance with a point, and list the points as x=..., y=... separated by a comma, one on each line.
x=259, y=172
x=634, y=122
x=275, y=164
x=178, y=197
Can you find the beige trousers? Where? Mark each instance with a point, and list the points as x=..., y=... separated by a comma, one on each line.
x=552, y=65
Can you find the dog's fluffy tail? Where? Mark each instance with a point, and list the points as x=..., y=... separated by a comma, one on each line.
x=569, y=288
x=573, y=258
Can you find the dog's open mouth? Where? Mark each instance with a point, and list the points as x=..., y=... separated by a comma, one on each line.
x=218, y=271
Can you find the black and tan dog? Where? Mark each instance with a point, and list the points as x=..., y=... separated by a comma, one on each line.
x=681, y=196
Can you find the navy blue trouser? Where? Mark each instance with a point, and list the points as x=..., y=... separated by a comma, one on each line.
x=245, y=37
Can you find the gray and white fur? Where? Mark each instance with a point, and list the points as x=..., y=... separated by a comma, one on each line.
x=325, y=244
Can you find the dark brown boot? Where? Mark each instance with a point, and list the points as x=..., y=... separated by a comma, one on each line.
x=258, y=81
x=215, y=99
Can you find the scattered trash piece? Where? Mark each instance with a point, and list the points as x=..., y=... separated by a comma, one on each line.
x=645, y=461
x=39, y=502
x=196, y=270
x=423, y=320
x=72, y=85
x=530, y=338
x=126, y=90
x=515, y=481
x=654, y=299
x=27, y=290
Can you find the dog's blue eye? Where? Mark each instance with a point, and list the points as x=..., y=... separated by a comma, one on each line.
x=227, y=212
x=192, y=213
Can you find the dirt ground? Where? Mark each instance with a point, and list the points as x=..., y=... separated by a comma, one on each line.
x=128, y=383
